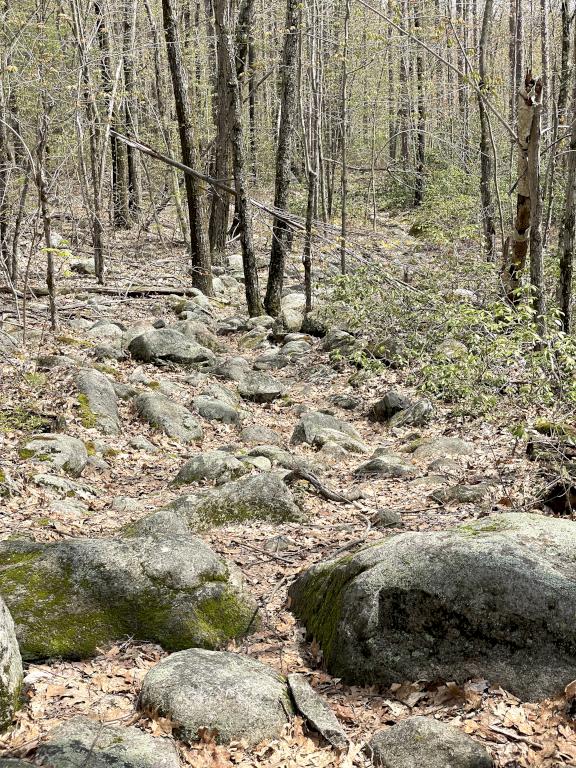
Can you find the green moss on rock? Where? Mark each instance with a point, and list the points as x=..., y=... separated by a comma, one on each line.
x=87, y=415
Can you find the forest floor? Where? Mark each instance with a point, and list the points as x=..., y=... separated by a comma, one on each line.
x=134, y=483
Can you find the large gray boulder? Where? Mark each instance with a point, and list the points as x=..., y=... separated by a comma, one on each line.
x=387, y=465
x=171, y=418
x=57, y=451
x=217, y=466
x=495, y=598
x=317, y=429
x=237, y=697
x=232, y=368
x=260, y=387
x=214, y=409
x=198, y=331
x=10, y=668
x=83, y=743
x=422, y=742
x=442, y=447
x=155, y=582
x=167, y=344
x=256, y=497
x=98, y=402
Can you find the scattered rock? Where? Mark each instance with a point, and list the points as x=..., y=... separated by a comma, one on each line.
x=387, y=466
x=392, y=402
x=253, y=339
x=233, y=368
x=284, y=458
x=141, y=443
x=273, y=358
x=213, y=465
x=167, y=344
x=50, y=362
x=98, y=402
x=83, y=267
x=236, y=697
x=260, y=387
x=212, y=409
x=462, y=494
x=420, y=742
x=174, y=420
x=262, y=321
x=317, y=429
x=90, y=744
x=387, y=518
x=416, y=415
x=70, y=597
x=341, y=341
x=260, y=435
x=315, y=711
x=451, y=349
x=59, y=451
x=198, y=332
x=105, y=329
x=441, y=447
x=346, y=402
x=495, y=598
x=64, y=486
x=10, y=668
x=256, y=497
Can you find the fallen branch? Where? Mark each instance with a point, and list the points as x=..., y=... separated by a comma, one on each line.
x=301, y=474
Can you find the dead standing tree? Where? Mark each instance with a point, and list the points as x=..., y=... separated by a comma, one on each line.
x=528, y=210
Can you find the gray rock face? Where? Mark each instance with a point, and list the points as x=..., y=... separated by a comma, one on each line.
x=212, y=409
x=166, y=344
x=271, y=359
x=49, y=362
x=154, y=583
x=423, y=741
x=284, y=458
x=386, y=466
x=339, y=340
x=495, y=598
x=98, y=397
x=316, y=712
x=390, y=404
x=86, y=743
x=238, y=697
x=259, y=435
x=257, y=497
x=260, y=387
x=232, y=369
x=441, y=447
x=213, y=465
x=416, y=415
x=10, y=668
x=200, y=333
x=174, y=420
x=462, y=494
x=7, y=762
x=317, y=429
x=58, y=451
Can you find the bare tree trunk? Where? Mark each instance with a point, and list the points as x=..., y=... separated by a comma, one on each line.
x=486, y=168
x=392, y=126
x=199, y=248
x=536, y=256
x=273, y=300
x=41, y=151
x=228, y=76
x=131, y=110
x=4, y=176
x=515, y=261
x=568, y=224
x=120, y=211
x=344, y=129
x=421, y=124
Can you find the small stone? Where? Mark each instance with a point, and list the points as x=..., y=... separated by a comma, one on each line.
x=422, y=742
x=236, y=697
x=90, y=744
x=260, y=462
x=316, y=712
x=213, y=409
x=416, y=415
x=462, y=494
x=387, y=518
x=440, y=447
x=233, y=368
x=260, y=387
x=346, y=402
x=387, y=466
x=260, y=435
x=141, y=443
x=218, y=466
x=168, y=417
x=167, y=344
x=392, y=402
x=59, y=451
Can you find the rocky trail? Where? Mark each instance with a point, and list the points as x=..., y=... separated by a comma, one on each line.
x=223, y=547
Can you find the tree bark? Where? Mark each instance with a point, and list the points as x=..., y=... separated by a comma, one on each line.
x=273, y=300
x=536, y=255
x=131, y=110
x=243, y=206
x=199, y=248
x=486, y=168
x=344, y=116
x=421, y=124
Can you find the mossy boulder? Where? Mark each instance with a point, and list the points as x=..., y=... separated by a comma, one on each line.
x=169, y=417
x=237, y=697
x=169, y=345
x=157, y=583
x=91, y=744
x=255, y=497
x=98, y=401
x=494, y=599
x=58, y=451
x=10, y=668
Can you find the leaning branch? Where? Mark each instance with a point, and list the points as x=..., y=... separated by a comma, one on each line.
x=216, y=183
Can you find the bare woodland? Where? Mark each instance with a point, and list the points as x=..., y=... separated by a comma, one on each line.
x=288, y=383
